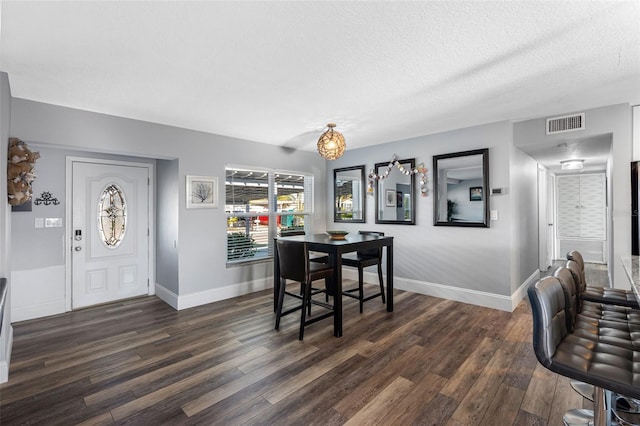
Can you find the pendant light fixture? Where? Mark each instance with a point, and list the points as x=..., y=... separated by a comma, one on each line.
x=331, y=144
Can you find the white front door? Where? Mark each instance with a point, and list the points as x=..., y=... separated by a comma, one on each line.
x=110, y=231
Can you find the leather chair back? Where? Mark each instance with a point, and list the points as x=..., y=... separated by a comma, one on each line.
x=288, y=233
x=293, y=258
x=572, y=302
x=376, y=252
x=581, y=286
x=549, y=321
x=575, y=256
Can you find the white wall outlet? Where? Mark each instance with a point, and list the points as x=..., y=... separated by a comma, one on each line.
x=494, y=214
x=39, y=222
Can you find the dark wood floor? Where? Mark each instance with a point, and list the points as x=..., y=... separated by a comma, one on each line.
x=432, y=361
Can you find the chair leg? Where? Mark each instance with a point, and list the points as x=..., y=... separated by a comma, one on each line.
x=361, y=286
x=306, y=297
x=381, y=282
x=328, y=283
x=280, y=303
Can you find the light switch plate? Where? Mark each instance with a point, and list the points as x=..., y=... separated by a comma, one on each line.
x=53, y=222
x=39, y=222
x=494, y=214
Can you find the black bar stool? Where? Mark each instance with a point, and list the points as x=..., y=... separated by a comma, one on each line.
x=293, y=259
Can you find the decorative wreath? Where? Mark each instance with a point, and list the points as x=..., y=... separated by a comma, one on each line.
x=20, y=172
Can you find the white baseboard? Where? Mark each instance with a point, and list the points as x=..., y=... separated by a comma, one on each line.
x=37, y=311
x=169, y=297
x=6, y=357
x=521, y=292
x=474, y=297
x=186, y=301
x=37, y=293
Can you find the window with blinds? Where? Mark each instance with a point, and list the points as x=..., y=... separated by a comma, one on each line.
x=259, y=205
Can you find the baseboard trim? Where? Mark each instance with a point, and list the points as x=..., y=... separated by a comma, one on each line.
x=464, y=295
x=521, y=292
x=6, y=359
x=180, y=302
x=474, y=297
x=38, y=311
x=169, y=297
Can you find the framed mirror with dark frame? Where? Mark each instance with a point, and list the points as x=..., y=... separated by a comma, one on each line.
x=349, y=194
x=395, y=194
x=461, y=189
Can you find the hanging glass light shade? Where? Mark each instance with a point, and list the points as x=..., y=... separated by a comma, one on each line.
x=331, y=144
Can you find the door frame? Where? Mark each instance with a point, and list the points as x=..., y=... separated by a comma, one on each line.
x=546, y=218
x=68, y=234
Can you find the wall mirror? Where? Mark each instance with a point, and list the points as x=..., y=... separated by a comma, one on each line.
x=461, y=189
x=348, y=194
x=395, y=194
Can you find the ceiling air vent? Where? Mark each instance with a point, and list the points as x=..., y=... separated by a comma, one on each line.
x=568, y=123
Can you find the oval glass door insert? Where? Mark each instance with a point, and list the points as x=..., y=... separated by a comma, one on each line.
x=112, y=216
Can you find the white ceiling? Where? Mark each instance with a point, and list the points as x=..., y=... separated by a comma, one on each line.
x=277, y=72
x=595, y=151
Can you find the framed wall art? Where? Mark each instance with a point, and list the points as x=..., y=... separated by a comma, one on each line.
x=202, y=192
x=390, y=195
x=475, y=193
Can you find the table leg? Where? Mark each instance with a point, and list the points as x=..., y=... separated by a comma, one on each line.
x=276, y=278
x=337, y=297
x=390, y=277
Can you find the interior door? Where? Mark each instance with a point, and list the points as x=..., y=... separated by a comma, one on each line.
x=543, y=220
x=551, y=225
x=110, y=233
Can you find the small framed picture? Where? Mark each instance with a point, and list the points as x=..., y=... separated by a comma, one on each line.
x=390, y=198
x=475, y=193
x=202, y=192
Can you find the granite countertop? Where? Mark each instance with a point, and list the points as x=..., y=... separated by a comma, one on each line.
x=632, y=268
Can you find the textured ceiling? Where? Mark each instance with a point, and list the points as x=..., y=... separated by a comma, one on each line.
x=277, y=72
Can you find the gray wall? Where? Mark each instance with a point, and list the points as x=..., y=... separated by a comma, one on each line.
x=42, y=247
x=5, y=224
x=524, y=198
x=468, y=258
x=617, y=120
x=167, y=218
x=201, y=238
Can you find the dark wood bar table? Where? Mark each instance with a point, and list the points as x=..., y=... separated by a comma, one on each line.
x=335, y=249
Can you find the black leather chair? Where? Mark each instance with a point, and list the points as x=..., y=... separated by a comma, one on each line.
x=291, y=232
x=607, y=295
x=602, y=310
x=611, y=324
x=294, y=263
x=362, y=259
x=312, y=256
x=603, y=365
x=593, y=325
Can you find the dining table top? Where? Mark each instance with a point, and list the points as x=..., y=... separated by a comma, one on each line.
x=349, y=239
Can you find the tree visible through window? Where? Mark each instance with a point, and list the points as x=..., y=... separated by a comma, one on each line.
x=260, y=204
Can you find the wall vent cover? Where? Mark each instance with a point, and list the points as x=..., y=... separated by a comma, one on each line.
x=567, y=123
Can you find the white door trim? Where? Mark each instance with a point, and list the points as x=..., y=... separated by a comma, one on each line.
x=68, y=225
